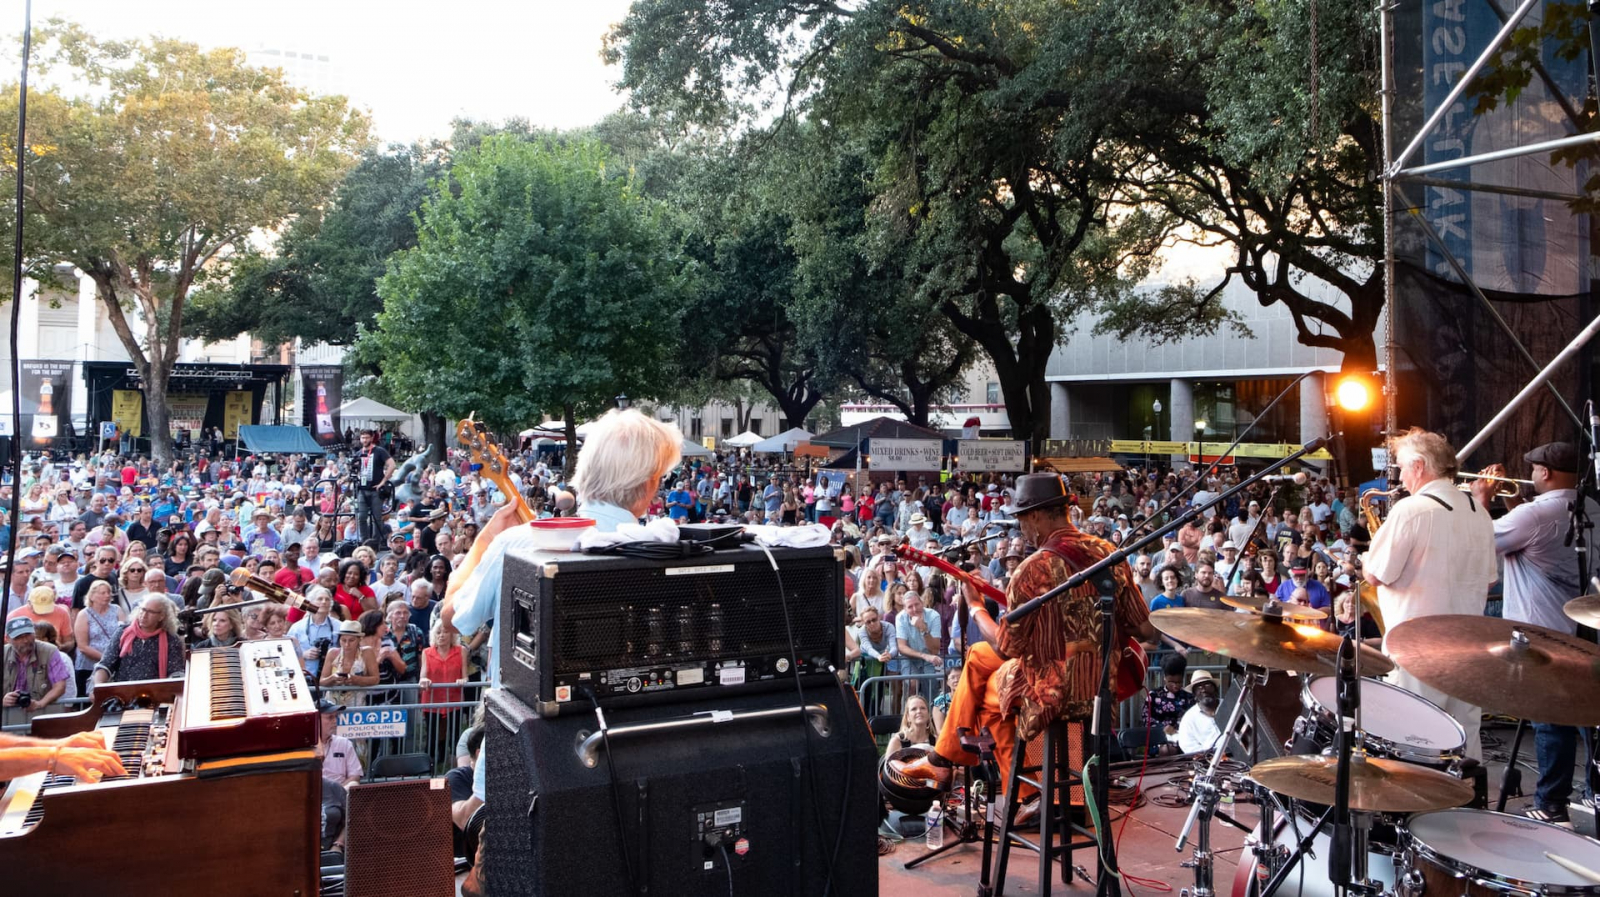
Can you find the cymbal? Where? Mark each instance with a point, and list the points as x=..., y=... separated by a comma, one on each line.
x=1376, y=785
x=1297, y=612
x=1552, y=678
x=1265, y=642
x=1584, y=609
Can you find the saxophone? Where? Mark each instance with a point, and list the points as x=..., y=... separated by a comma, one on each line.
x=1367, y=591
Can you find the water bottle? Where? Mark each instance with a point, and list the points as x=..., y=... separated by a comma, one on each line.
x=935, y=823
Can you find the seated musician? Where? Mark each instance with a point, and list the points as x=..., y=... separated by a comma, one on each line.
x=146, y=647
x=1048, y=663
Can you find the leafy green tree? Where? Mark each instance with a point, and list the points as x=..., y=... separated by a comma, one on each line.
x=170, y=158
x=541, y=281
x=994, y=186
x=319, y=281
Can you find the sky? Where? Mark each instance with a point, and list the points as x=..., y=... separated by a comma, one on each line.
x=413, y=65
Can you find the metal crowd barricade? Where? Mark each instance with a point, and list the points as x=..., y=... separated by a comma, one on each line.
x=893, y=703
x=431, y=727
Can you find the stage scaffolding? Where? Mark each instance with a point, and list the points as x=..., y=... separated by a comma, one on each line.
x=1488, y=266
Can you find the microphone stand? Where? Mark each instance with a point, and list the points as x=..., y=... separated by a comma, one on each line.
x=1102, y=575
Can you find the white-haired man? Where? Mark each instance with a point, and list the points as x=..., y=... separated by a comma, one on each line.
x=624, y=457
x=1433, y=555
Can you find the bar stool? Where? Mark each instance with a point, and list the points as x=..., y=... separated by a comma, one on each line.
x=1056, y=777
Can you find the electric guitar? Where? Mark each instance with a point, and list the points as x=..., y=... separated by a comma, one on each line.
x=1132, y=666
x=474, y=436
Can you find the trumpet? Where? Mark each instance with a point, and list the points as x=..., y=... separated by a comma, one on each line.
x=1508, y=487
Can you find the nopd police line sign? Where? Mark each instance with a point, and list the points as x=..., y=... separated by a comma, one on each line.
x=386, y=722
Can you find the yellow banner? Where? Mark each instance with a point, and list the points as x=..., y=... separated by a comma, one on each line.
x=127, y=407
x=1244, y=450
x=235, y=412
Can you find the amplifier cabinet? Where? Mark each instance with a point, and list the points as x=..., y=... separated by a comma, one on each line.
x=622, y=631
x=736, y=793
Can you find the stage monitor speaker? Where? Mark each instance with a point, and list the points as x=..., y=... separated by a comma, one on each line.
x=398, y=840
x=706, y=789
x=1267, y=725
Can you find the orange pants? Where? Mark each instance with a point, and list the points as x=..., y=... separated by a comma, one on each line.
x=974, y=705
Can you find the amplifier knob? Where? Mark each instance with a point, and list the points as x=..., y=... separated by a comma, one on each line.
x=783, y=664
x=634, y=684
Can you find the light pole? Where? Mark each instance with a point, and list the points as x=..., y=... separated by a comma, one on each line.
x=1155, y=434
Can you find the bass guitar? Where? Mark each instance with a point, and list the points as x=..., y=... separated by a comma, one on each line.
x=1131, y=667
x=474, y=436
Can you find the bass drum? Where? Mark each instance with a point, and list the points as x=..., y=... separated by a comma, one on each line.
x=1310, y=878
x=1479, y=853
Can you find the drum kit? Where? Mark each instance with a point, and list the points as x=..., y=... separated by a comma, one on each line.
x=1376, y=785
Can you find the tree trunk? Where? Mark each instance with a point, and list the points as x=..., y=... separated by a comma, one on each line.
x=433, y=436
x=571, y=425
x=155, y=405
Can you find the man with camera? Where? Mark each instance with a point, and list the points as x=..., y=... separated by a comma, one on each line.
x=34, y=677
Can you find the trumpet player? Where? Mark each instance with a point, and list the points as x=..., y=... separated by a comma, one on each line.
x=1541, y=575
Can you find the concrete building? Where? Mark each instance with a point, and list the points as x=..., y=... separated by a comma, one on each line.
x=1206, y=388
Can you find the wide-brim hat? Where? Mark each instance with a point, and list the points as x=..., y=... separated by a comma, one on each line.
x=1036, y=491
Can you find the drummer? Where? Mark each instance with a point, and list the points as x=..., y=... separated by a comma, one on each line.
x=1541, y=576
x=1434, y=555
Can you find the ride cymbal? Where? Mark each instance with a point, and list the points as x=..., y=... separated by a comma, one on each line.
x=1518, y=669
x=1263, y=641
x=1376, y=785
x=1297, y=612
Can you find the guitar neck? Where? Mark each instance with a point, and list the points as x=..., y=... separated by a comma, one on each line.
x=939, y=563
x=509, y=490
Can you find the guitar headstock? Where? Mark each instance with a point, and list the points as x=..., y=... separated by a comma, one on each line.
x=474, y=436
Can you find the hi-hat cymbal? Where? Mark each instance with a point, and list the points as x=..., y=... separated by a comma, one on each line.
x=1262, y=641
x=1544, y=676
x=1584, y=609
x=1298, y=612
x=1376, y=785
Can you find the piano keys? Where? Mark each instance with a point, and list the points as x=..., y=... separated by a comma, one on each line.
x=253, y=782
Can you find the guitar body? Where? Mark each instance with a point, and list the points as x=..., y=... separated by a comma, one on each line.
x=1133, y=665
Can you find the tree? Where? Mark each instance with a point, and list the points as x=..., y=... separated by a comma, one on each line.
x=995, y=187
x=171, y=158
x=319, y=282
x=541, y=281
x=740, y=324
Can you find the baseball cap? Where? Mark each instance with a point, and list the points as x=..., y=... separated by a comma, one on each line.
x=17, y=626
x=1298, y=567
x=328, y=705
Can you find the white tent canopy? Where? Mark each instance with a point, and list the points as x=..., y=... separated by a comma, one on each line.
x=783, y=442
x=371, y=410
x=692, y=449
x=743, y=440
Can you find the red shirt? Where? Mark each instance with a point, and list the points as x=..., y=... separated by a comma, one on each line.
x=352, y=603
x=292, y=578
x=130, y=474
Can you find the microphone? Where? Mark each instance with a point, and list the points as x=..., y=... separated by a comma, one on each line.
x=1298, y=479
x=243, y=578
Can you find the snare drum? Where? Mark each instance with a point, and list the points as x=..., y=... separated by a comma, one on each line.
x=1456, y=853
x=1398, y=724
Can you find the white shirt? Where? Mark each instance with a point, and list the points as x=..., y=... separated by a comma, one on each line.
x=1434, y=561
x=1541, y=569
x=1198, y=731
x=1430, y=559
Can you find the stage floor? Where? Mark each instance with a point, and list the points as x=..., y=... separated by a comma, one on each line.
x=1146, y=850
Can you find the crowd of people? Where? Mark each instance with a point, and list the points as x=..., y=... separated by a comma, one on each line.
x=113, y=556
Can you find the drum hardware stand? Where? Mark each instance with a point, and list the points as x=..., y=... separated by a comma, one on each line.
x=1511, y=777
x=968, y=832
x=1206, y=794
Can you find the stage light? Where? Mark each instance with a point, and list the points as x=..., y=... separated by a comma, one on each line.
x=1353, y=393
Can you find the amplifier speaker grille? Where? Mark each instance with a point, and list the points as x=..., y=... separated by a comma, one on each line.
x=399, y=819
